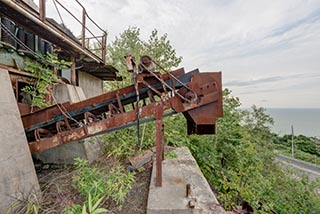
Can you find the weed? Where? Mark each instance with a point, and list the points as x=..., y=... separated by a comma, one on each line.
x=97, y=184
x=29, y=205
x=87, y=208
x=171, y=155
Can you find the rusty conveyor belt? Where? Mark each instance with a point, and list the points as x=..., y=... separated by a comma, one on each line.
x=197, y=95
x=48, y=117
x=65, y=122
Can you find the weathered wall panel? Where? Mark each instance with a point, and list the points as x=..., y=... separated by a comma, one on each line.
x=91, y=85
x=17, y=174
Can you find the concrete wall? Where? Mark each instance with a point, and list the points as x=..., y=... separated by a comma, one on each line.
x=66, y=92
x=11, y=59
x=17, y=174
x=91, y=85
x=88, y=149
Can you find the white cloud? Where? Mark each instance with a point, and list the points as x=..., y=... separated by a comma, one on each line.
x=247, y=40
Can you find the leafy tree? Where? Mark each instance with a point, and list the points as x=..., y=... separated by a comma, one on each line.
x=306, y=148
x=128, y=42
x=160, y=49
x=157, y=47
x=123, y=143
x=239, y=163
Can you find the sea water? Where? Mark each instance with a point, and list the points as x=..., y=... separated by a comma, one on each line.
x=304, y=121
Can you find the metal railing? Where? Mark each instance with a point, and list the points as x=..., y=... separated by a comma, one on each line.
x=93, y=43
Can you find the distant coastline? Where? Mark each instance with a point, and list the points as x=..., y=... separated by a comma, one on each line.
x=305, y=121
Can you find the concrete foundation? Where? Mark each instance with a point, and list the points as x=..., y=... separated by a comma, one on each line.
x=18, y=178
x=88, y=149
x=172, y=198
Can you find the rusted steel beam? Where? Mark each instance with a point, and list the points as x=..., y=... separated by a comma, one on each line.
x=159, y=145
x=208, y=104
x=94, y=128
x=73, y=71
x=200, y=114
x=49, y=115
x=42, y=9
x=200, y=101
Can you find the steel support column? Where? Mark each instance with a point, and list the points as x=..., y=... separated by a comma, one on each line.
x=159, y=145
x=73, y=71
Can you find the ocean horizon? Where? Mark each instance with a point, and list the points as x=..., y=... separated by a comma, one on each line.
x=305, y=121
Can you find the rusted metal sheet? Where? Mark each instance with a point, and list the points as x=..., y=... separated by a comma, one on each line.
x=202, y=120
x=24, y=108
x=142, y=159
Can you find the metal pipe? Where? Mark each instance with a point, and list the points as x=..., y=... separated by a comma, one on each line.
x=45, y=25
x=83, y=27
x=96, y=37
x=91, y=19
x=77, y=19
x=104, y=47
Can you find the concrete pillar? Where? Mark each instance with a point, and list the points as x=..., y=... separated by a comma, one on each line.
x=18, y=178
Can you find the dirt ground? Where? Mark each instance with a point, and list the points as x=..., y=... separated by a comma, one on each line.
x=58, y=192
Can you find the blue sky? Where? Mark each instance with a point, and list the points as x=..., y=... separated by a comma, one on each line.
x=268, y=51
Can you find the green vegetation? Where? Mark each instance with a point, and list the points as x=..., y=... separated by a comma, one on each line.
x=129, y=42
x=96, y=185
x=30, y=205
x=238, y=161
x=86, y=209
x=170, y=155
x=44, y=79
x=305, y=148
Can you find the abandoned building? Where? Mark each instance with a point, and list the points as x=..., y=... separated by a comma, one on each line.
x=26, y=35
x=78, y=107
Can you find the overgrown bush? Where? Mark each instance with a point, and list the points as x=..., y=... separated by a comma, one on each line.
x=96, y=185
x=44, y=78
x=305, y=147
x=239, y=162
